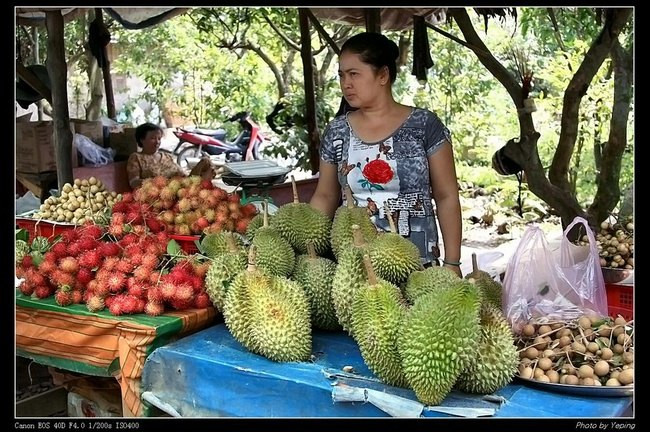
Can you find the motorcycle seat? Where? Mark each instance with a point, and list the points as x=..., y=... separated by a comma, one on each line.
x=219, y=134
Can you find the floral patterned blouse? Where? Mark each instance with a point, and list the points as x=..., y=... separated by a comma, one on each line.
x=143, y=166
x=394, y=171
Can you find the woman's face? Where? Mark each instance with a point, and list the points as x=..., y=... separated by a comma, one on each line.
x=151, y=141
x=360, y=82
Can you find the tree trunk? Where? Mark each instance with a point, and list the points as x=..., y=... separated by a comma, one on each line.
x=95, y=82
x=310, y=102
x=56, y=69
x=106, y=72
x=609, y=191
x=577, y=88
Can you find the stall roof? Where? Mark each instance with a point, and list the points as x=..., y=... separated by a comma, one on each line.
x=132, y=18
x=391, y=18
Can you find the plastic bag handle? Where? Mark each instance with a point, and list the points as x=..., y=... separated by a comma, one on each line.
x=590, y=235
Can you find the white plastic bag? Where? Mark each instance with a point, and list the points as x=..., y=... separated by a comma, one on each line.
x=538, y=283
x=93, y=155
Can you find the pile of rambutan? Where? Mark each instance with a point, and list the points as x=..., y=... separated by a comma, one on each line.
x=190, y=205
x=126, y=273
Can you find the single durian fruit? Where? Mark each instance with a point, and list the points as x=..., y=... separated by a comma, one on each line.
x=393, y=257
x=280, y=326
x=314, y=274
x=215, y=244
x=377, y=311
x=422, y=282
x=496, y=359
x=256, y=223
x=438, y=340
x=344, y=218
x=236, y=307
x=349, y=276
x=223, y=270
x=273, y=254
x=490, y=290
x=299, y=224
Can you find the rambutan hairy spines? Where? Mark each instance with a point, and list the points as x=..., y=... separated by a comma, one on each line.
x=42, y=291
x=168, y=290
x=116, y=282
x=202, y=300
x=90, y=259
x=60, y=249
x=154, y=294
x=154, y=308
x=63, y=298
x=184, y=292
x=95, y=303
x=69, y=265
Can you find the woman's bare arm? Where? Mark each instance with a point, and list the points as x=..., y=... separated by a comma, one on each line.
x=328, y=191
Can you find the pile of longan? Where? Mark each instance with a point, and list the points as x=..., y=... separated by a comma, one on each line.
x=589, y=351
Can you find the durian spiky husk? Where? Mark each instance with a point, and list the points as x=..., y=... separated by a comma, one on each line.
x=377, y=312
x=349, y=276
x=274, y=254
x=300, y=224
x=344, y=218
x=439, y=339
x=256, y=223
x=222, y=271
x=280, y=326
x=490, y=290
x=394, y=257
x=236, y=308
x=215, y=244
x=314, y=275
x=497, y=358
x=422, y=282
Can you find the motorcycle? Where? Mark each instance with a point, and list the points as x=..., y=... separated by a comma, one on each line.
x=213, y=142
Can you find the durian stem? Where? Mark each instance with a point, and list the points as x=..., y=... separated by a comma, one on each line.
x=357, y=235
x=295, y=190
x=266, y=214
x=251, y=259
x=391, y=222
x=311, y=250
x=372, y=277
x=348, y=197
x=474, y=262
x=230, y=239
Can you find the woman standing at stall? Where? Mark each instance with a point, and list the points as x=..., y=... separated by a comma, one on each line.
x=390, y=154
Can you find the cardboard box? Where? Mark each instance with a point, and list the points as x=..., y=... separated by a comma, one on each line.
x=35, y=151
x=35, y=147
x=123, y=142
x=92, y=129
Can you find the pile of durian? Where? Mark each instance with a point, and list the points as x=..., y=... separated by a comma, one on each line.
x=423, y=329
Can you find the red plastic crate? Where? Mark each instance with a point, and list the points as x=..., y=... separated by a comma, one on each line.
x=42, y=228
x=187, y=243
x=620, y=300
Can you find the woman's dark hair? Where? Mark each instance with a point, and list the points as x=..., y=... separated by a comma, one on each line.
x=374, y=49
x=142, y=131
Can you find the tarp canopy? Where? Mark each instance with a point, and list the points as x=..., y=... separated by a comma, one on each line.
x=391, y=18
x=131, y=18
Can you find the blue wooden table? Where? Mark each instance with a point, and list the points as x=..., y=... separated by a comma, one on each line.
x=209, y=374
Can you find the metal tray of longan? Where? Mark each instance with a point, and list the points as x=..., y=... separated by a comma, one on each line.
x=596, y=391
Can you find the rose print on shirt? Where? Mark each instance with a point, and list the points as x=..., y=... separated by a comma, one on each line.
x=376, y=173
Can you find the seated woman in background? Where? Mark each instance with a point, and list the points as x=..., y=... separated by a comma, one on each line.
x=150, y=162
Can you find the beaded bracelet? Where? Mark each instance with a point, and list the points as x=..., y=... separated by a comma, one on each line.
x=452, y=263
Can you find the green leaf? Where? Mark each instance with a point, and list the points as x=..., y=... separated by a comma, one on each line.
x=22, y=234
x=173, y=248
